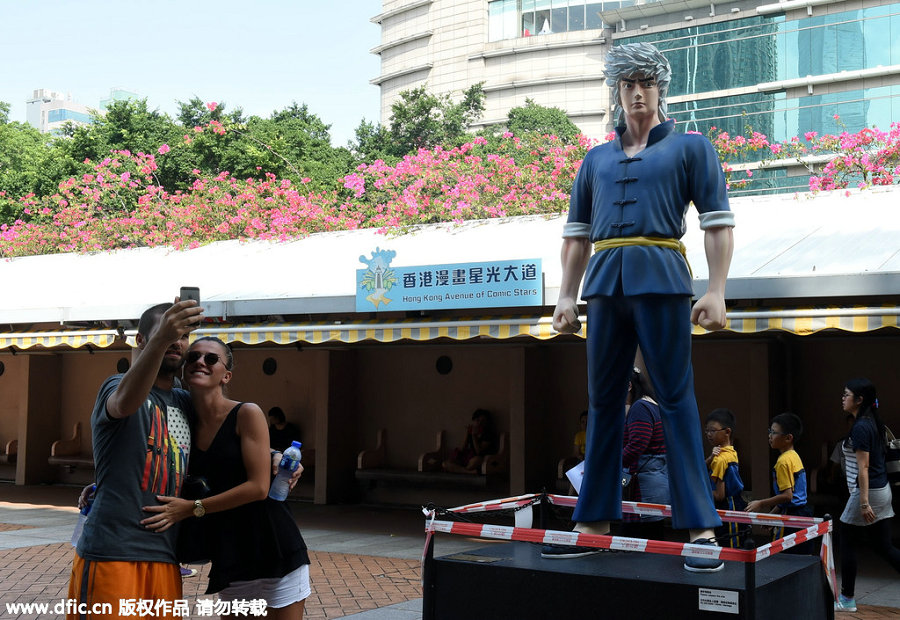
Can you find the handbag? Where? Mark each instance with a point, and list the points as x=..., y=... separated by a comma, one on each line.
x=191, y=547
x=627, y=486
x=891, y=456
x=194, y=487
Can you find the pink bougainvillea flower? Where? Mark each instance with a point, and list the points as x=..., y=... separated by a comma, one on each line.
x=119, y=202
x=212, y=105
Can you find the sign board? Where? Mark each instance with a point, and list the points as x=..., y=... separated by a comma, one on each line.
x=493, y=284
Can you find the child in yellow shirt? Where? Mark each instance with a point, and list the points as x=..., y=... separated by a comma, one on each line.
x=724, y=475
x=788, y=477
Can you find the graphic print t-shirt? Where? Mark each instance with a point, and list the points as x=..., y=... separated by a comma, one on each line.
x=137, y=458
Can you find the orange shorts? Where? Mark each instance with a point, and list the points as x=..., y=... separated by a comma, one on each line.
x=107, y=589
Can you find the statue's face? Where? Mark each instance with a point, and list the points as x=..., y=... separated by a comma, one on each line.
x=639, y=96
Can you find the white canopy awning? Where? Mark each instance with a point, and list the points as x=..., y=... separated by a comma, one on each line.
x=786, y=247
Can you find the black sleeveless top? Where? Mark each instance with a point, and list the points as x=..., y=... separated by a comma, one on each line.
x=254, y=541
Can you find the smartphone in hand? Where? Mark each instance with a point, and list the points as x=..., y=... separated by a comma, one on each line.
x=190, y=292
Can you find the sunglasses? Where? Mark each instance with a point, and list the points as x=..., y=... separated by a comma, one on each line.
x=210, y=359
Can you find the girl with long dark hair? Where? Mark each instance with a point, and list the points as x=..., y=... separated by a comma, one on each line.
x=868, y=512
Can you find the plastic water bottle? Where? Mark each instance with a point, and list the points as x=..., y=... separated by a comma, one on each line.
x=290, y=461
x=82, y=517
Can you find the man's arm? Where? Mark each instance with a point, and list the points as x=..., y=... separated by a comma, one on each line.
x=709, y=311
x=135, y=385
x=576, y=251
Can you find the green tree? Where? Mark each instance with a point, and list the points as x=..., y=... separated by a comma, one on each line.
x=372, y=142
x=424, y=120
x=208, y=143
x=196, y=113
x=126, y=126
x=534, y=118
x=24, y=155
x=293, y=143
x=420, y=119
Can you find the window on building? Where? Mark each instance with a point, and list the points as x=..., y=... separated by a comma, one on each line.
x=542, y=17
x=576, y=18
x=503, y=20
x=61, y=114
x=511, y=19
x=559, y=15
x=592, y=10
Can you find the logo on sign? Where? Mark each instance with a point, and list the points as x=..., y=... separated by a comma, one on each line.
x=379, y=278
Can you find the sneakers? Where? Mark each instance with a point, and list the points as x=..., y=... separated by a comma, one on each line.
x=188, y=572
x=566, y=552
x=845, y=604
x=703, y=565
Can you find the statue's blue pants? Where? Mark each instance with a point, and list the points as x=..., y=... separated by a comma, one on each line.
x=660, y=324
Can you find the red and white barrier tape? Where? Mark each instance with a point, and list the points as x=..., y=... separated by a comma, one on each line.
x=642, y=508
x=809, y=528
x=496, y=504
x=619, y=543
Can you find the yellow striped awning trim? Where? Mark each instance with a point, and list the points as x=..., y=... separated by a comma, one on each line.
x=100, y=338
x=419, y=330
x=805, y=321
x=800, y=321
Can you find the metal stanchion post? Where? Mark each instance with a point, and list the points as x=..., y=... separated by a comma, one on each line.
x=428, y=612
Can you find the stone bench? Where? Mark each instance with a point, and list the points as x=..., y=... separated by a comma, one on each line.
x=9, y=455
x=67, y=452
x=371, y=467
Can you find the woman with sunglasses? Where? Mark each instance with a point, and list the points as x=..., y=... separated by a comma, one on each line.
x=254, y=545
x=867, y=516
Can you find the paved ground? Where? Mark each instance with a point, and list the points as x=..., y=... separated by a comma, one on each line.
x=365, y=561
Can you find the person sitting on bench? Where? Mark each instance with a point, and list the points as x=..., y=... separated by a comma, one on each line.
x=481, y=439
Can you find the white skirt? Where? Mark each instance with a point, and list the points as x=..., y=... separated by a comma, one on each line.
x=276, y=591
x=879, y=500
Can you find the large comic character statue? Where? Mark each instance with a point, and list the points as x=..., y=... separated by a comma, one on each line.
x=626, y=218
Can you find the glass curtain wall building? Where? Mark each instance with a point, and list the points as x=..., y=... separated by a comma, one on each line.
x=748, y=53
x=782, y=69
x=820, y=74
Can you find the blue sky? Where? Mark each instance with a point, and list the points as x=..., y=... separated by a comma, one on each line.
x=259, y=55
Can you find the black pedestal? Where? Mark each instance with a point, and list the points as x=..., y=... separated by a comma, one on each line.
x=511, y=580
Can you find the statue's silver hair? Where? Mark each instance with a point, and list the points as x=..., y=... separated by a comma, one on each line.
x=630, y=59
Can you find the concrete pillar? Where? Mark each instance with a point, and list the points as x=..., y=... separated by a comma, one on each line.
x=39, y=418
x=336, y=418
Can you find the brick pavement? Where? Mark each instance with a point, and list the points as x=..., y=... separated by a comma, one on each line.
x=342, y=584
